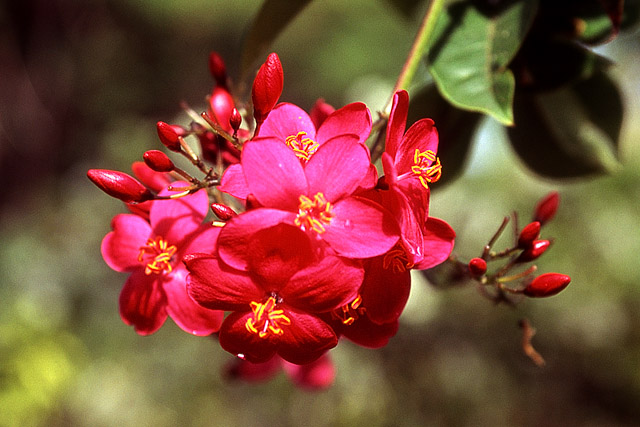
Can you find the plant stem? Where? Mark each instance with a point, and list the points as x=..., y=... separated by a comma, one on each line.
x=418, y=49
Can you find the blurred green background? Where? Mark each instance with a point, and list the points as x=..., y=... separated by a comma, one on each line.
x=82, y=84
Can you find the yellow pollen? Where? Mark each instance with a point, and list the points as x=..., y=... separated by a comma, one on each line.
x=157, y=255
x=396, y=259
x=349, y=313
x=303, y=147
x=314, y=214
x=266, y=319
x=426, y=166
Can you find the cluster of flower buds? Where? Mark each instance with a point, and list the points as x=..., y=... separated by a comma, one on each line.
x=528, y=247
x=308, y=245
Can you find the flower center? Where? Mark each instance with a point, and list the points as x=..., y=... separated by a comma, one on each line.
x=303, y=147
x=349, y=313
x=157, y=255
x=397, y=260
x=266, y=319
x=314, y=214
x=425, y=168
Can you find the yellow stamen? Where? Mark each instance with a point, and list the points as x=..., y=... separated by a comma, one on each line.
x=157, y=255
x=314, y=214
x=303, y=147
x=397, y=259
x=426, y=166
x=349, y=313
x=266, y=319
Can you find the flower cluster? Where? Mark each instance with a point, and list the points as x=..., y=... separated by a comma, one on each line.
x=308, y=243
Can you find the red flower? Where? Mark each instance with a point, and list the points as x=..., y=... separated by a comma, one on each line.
x=410, y=165
x=317, y=197
x=151, y=251
x=277, y=299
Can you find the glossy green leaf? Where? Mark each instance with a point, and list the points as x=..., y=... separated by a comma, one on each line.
x=569, y=132
x=456, y=128
x=271, y=20
x=473, y=45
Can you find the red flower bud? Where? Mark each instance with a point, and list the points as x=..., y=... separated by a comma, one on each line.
x=158, y=161
x=267, y=87
x=119, y=185
x=477, y=267
x=223, y=212
x=156, y=181
x=168, y=136
x=235, y=120
x=546, y=285
x=221, y=107
x=537, y=248
x=546, y=208
x=218, y=69
x=528, y=234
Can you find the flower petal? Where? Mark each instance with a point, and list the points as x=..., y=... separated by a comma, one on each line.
x=422, y=136
x=338, y=167
x=397, y=121
x=353, y=118
x=143, y=302
x=233, y=182
x=286, y=120
x=235, y=237
x=120, y=248
x=361, y=229
x=237, y=340
x=274, y=174
x=324, y=286
x=368, y=334
x=385, y=291
x=305, y=339
x=174, y=219
x=217, y=286
x=276, y=253
x=189, y=315
x=439, y=239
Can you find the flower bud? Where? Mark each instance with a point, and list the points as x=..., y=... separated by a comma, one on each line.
x=546, y=208
x=158, y=161
x=223, y=212
x=218, y=69
x=168, y=136
x=156, y=181
x=120, y=185
x=537, y=248
x=221, y=107
x=477, y=267
x=235, y=121
x=267, y=87
x=546, y=285
x=528, y=234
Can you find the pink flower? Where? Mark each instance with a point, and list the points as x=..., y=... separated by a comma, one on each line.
x=317, y=375
x=152, y=251
x=290, y=124
x=317, y=197
x=276, y=301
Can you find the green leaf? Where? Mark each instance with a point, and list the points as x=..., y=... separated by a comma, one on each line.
x=456, y=128
x=569, y=132
x=272, y=19
x=471, y=49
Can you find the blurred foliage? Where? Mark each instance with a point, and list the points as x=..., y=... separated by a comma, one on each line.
x=83, y=85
